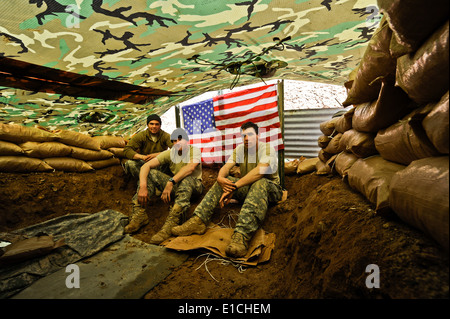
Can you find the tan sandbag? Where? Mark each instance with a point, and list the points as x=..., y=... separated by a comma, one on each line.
x=406, y=140
x=391, y=105
x=104, y=163
x=291, y=167
x=334, y=147
x=216, y=240
x=46, y=149
x=76, y=139
x=343, y=162
x=324, y=156
x=371, y=177
x=376, y=63
x=328, y=128
x=118, y=152
x=108, y=141
x=18, y=134
x=323, y=141
x=29, y=248
x=90, y=155
x=321, y=168
x=419, y=196
x=360, y=144
x=68, y=164
x=436, y=125
x=8, y=148
x=307, y=166
x=344, y=123
x=413, y=21
x=23, y=164
x=424, y=74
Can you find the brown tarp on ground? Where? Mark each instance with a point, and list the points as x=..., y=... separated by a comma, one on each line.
x=216, y=240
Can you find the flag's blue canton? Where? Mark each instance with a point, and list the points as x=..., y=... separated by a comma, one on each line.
x=199, y=117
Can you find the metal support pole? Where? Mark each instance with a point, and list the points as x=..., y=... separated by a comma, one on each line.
x=281, y=116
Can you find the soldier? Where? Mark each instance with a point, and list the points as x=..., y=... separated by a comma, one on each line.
x=184, y=162
x=258, y=186
x=146, y=145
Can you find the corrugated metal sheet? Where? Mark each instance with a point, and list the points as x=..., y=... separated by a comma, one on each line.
x=302, y=130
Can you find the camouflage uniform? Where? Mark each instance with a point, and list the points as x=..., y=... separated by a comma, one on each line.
x=143, y=142
x=182, y=191
x=255, y=197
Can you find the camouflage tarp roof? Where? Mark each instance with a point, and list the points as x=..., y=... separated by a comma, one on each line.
x=103, y=65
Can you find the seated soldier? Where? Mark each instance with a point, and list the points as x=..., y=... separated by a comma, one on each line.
x=146, y=145
x=184, y=162
x=258, y=186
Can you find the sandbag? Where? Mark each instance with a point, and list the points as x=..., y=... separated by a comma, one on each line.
x=406, y=140
x=360, y=144
x=46, y=149
x=343, y=162
x=344, y=123
x=436, y=125
x=104, y=163
x=419, y=196
x=307, y=166
x=333, y=146
x=118, y=152
x=328, y=128
x=108, y=141
x=291, y=167
x=413, y=21
x=324, y=156
x=376, y=63
x=90, y=155
x=8, y=148
x=23, y=164
x=18, y=134
x=76, y=139
x=323, y=141
x=371, y=177
x=391, y=105
x=424, y=74
x=68, y=164
x=321, y=168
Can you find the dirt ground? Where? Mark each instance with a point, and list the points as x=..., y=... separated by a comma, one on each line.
x=326, y=236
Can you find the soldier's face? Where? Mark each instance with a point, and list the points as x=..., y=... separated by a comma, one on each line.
x=250, y=138
x=153, y=126
x=180, y=144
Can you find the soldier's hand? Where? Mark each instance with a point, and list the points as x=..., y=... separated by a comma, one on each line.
x=226, y=184
x=225, y=199
x=143, y=196
x=165, y=196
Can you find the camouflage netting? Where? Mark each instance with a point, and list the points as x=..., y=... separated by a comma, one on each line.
x=148, y=45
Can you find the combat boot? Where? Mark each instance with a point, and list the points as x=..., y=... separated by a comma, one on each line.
x=139, y=218
x=238, y=246
x=176, y=215
x=193, y=226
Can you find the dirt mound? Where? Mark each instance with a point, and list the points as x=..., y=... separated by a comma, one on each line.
x=326, y=236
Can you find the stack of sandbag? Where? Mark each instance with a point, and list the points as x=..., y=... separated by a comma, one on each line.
x=31, y=149
x=400, y=97
x=300, y=166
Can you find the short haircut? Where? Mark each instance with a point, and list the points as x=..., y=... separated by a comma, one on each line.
x=249, y=124
x=179, y=133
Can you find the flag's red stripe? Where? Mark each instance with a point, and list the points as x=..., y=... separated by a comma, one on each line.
x=224, y=105
x=255, y=120
x=257, y=108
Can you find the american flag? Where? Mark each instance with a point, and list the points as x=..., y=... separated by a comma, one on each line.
x=214, y=125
